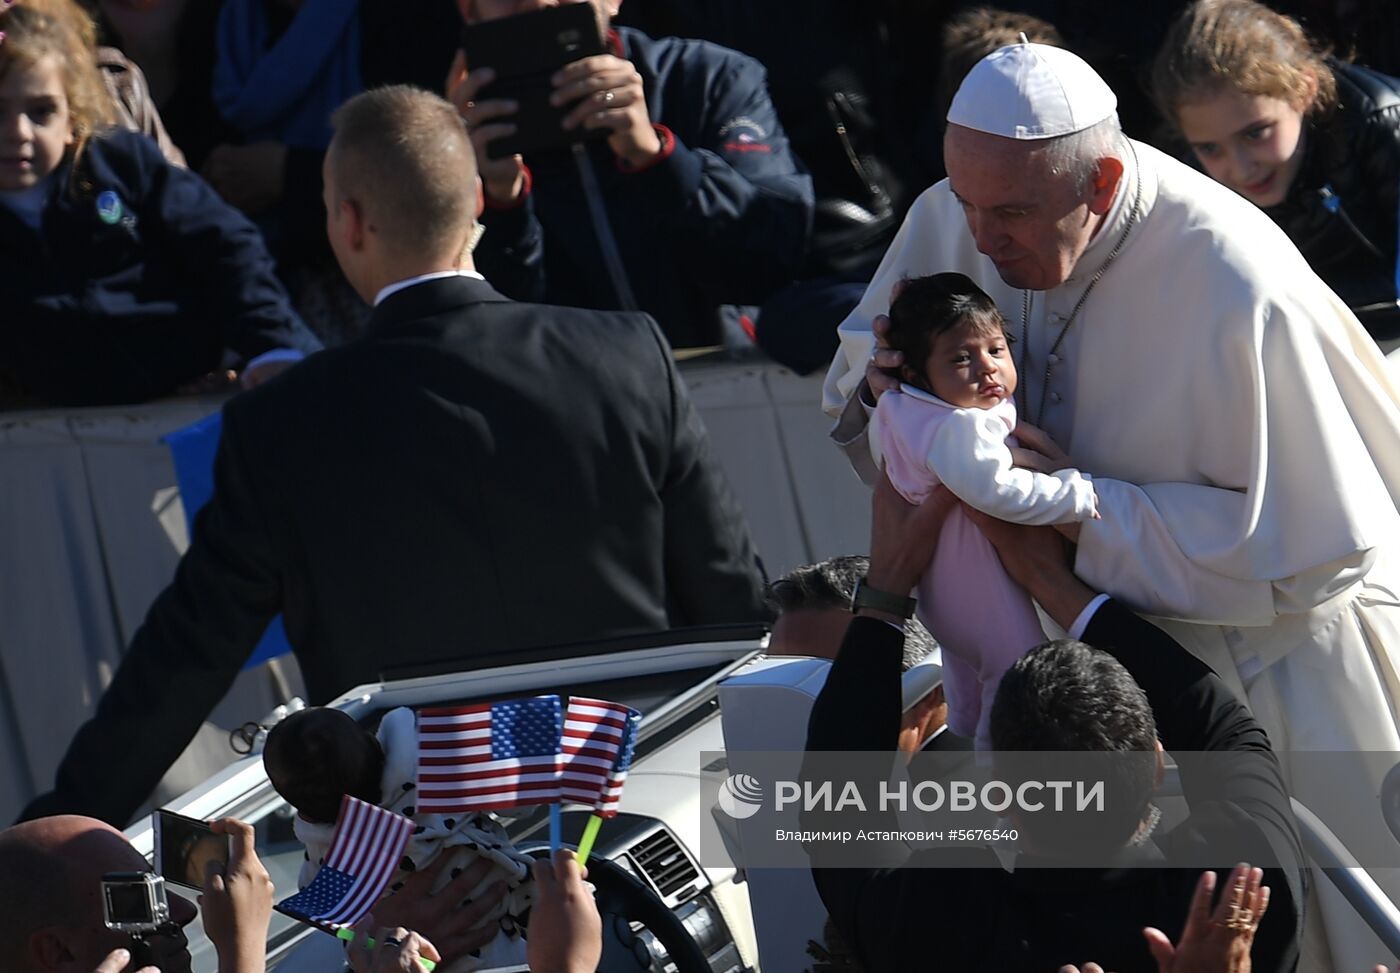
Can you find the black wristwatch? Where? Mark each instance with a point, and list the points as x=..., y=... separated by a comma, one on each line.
x=873, y=598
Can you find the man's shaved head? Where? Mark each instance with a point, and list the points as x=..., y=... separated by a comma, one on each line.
x=403, y=156
x=50, y=883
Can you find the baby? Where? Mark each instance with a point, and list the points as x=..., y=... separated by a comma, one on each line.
x=949, y=423
x=316, y=756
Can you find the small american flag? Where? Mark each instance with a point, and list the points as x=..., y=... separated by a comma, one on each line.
x=365, y=851
x=492, y=755
x=599, y=737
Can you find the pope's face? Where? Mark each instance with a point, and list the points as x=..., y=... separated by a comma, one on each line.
x=1032, y=222
x=1251, y=143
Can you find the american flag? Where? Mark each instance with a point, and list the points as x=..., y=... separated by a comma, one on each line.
x=365, y=851
x=599, y=737
x=493, y=755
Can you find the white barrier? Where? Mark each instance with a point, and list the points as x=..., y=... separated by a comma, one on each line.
x=91, y=530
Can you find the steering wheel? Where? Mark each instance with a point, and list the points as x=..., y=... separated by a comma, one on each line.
x=623, y=899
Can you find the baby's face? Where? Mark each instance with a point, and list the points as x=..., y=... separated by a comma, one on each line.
x=971, y=368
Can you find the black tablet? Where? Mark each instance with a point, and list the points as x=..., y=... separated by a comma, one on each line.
x=525, y=50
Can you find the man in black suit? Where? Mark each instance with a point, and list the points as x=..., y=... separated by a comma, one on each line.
x=1040, y=918
x=473, y=477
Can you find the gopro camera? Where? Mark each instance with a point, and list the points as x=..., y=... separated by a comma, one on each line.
x=134, y=902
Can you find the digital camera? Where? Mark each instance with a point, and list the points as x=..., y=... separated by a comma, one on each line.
x=134, y=902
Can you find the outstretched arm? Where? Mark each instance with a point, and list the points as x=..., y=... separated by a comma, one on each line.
x=713, y=574
x=197, y=635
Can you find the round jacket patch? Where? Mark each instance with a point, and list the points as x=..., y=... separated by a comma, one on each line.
x=109, y=207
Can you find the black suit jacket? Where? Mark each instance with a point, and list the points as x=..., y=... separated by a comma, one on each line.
x=934, y=914
x=473, y=476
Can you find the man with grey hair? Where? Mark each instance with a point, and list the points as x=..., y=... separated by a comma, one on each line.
x=812, y=605
x=470, y=479
x=813, y=608
x=1240, y=427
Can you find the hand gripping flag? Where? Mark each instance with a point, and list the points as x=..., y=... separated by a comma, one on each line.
x=489, y=756
x=365, y=851
x=599, y=737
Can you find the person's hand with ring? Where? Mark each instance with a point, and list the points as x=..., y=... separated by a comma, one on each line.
x=455, y=926
x=395, y=950
x=1215, y=941
x=606, y=93
x=1212, y=942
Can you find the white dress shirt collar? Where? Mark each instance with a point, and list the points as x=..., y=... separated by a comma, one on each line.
x=399, y=285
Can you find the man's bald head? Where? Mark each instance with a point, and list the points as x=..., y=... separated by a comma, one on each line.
x=50, y=894
x=402, y=155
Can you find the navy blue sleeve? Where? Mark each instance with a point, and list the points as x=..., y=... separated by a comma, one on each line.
x=511, y=254
x=736, y=198
x=224, y=254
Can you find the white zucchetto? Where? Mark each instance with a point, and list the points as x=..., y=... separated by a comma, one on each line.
x=1031, y=91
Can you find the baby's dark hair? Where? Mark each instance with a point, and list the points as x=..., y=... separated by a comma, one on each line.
x=316, y=756
x=928, y=306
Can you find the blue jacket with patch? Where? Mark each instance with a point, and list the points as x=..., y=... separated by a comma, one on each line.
x=721, y=217
x=138, y=280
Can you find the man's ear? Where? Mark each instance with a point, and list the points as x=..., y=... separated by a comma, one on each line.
x=1106, y=179
x=480, y=198
x=352, y=223
x=1161, y=770
x=46, y=949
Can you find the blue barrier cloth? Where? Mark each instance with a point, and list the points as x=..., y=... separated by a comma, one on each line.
x=192, y=449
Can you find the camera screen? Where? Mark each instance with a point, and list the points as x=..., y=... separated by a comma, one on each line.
x=129, y=903
x=186, y=848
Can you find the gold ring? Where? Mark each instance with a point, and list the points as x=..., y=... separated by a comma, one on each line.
x=1239, y=920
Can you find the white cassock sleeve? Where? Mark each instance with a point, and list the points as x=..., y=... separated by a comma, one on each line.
x=969, y=454
x=933, y=238
x=1296, y=414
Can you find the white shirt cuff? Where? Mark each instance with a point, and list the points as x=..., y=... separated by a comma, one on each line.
x=1076, y=631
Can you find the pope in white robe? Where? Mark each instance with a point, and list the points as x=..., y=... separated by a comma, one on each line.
x=1243, y=433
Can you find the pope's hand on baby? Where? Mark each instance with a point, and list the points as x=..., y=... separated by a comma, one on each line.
x=455, y=924
x=882, y=373
x=1038, y=451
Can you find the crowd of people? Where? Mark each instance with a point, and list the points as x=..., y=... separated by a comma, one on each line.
x=1166, y=243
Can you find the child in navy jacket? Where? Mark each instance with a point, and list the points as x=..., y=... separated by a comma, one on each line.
x=122, y=278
